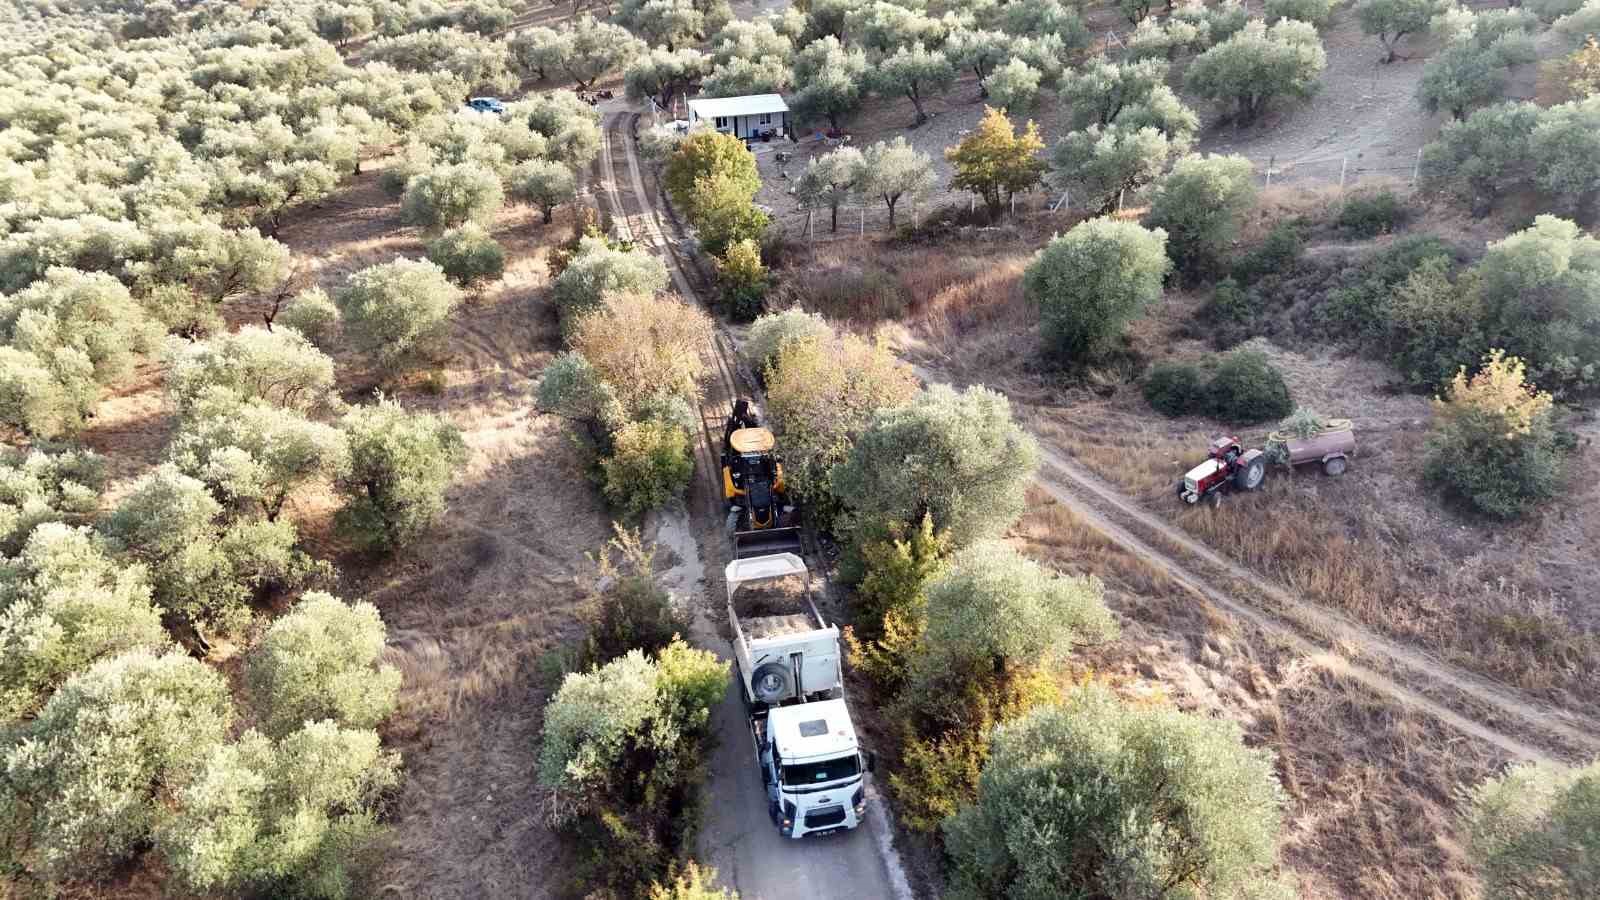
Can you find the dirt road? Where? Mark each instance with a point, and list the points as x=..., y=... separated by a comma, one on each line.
x=737, y=837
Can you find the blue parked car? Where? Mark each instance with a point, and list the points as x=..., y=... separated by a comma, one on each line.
x=491, y=105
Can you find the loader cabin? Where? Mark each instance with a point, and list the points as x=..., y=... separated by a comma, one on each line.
x=757, y=117
x=750, y=466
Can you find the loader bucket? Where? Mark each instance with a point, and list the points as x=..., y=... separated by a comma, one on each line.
x=766, y=542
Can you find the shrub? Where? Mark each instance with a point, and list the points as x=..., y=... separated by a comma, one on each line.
x=293, y=818
x=649, y=465
x=397, y=311
x=67, y=604
x=1277, y=252
x=83, y=786
x=630, y=610
x=1092, y=281
x=1246, y=388
x=1539, y=289
x=1120, y=801
x=1199, y=205
x=708, y=156
x=958, y=458
x=598, y=269
x=1479, y=158
x=821, y=393
x=1494, y=446
x=320, y=661
x=891, y=602
x=693, y=883
x=450, y=195
x=545, y=184
x=1232, y=314
x=1314, y=11
x=46, y=484
x=642, y=346
x=572, y=388
x=995, y=162
x=202, y=566
x=1176, y=389
x=742, y=279
x=311, y=313
x=468, y=255
x=400, y=465
x=773, y=332
x=1258, y=65
x=1369, y=215
x=1550, y=10
x=1532, y=831
x=278, y=366
x=1433, y=325
x=724, y=214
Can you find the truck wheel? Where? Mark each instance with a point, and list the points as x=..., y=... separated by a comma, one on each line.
x=1250, y=477
x=772, y=682
x=1333, y=466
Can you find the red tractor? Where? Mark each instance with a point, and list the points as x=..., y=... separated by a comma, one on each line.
x=1227, y=464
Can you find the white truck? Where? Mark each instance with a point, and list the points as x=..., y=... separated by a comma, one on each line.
x=787, y=660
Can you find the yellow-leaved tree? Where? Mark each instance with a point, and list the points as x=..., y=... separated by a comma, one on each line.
x=995, y=162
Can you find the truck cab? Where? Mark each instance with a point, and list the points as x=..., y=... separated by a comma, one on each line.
x=813, y=768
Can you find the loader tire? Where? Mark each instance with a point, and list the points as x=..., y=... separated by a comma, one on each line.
x=772, y=682
x=1252, y=475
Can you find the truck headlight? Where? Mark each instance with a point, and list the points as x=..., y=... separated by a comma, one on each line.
x=788, y=817
x=859, y=801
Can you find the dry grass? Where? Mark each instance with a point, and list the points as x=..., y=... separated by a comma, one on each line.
x=1371, y=785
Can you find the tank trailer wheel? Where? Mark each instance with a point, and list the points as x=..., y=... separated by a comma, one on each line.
x=1334, y=466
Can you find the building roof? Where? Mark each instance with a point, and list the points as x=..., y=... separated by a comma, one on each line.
x=812, y=730
x=753, y=105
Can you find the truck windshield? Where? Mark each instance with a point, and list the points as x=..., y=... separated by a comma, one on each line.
x=819, y=772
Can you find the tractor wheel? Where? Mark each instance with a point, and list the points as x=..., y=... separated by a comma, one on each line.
x=1334, y=466
x=1251, y=476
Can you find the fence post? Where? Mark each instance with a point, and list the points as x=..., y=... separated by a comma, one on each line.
x=1271, y=161
x=1343, y=163
x=1013, y=206
x=1119, y=200
x=1416, y=170
x=862, y=235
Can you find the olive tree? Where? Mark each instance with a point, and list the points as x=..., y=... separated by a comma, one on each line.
x=958, y=458
x=83, y=786
x=591, y=49
x=1092, y=281
x=450, y=195
x=311, y=313
x=61, y=339
x=1480, y=158
x=915, y=72
x=829, y=181
x=1565, y=147
x=662, y=74
x=46, y=484
x=894, y=170
x=829, y=80
x=1534, y=832
x=544, y=184
x=215, y=263
x=479, y=62
x=1258, y=65
x=1199, y=205
x=468, y=255
x=202, y=566
x=1095, y=797
x=536, y=51
x=1538, y=289
x=1014, y=86
x=291, y=818
x=1100, y=164
x=397, y=310
x=979, y=50
x=400, y=465
x=598, y=270
x=1098, y=92
x=741, y=77
x=67, y=603
x=253, y=454
x=1391, y=20
x=321, y=661
x=822, y=390
x=276, y=365
x=1471, y=70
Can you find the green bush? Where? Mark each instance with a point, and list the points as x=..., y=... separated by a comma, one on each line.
x=1232, y=314
x=598, y=269
x=400, y=465
x=1277, y=252
x=397, y=311
x=649, y=465
x=630, y=611
x=85, y=780
x=450, y=195
x=1494, y=446
x=1199, y=205
x=694, y=882
x=1176, y=389
x=320, y=661
x=773, y=332
x=311, y=313
x=742, y=280
x=1092, y=281
x=468, y=255
x=1246, y=388
x=1534, y=832
x=46, y=484
x=1098, y=798
x=291, y=819
x=1369, y=215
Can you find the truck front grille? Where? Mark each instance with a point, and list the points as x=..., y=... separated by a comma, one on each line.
x=827, y=815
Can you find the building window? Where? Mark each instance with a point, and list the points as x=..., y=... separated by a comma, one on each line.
x=766, y=118
x=722, y=121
